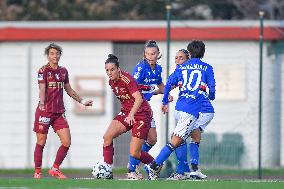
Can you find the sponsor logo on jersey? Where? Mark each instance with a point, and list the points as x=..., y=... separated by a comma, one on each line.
x=44, y=120
x=59, y=85
x=123, y=97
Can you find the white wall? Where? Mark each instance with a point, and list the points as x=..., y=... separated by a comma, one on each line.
x=236, y=71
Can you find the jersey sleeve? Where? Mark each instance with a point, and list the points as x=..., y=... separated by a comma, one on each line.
x=138, y=73
x=172, y=80
x=211, y=83
x=41, y=76
x=132, y=86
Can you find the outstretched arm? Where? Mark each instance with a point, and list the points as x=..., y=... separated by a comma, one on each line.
x=75, y=96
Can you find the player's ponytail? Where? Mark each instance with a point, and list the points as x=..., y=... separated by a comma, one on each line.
x=112, y=59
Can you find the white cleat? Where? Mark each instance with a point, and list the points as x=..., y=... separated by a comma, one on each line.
x=197, y=175
x=134, y=176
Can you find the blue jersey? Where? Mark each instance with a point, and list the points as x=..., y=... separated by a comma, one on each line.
x=147, y=76
x=189, y=77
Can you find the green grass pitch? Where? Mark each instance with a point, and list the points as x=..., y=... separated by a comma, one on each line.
x=125, y=184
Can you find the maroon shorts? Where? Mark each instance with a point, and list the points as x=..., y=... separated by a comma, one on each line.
x=141, y=128
x=44, y=119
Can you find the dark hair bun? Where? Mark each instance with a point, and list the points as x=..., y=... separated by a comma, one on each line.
x=111, y=56
x=152, y=43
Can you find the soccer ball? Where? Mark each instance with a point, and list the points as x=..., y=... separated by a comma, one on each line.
x=102, y=170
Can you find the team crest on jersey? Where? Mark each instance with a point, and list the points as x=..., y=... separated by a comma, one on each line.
x=40, y=77
x=49, y=75
x=57, y=76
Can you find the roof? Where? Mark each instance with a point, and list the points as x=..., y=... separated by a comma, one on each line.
x=138, y=30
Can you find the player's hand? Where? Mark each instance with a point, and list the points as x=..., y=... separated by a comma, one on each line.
x=41, y=107
x=87, y=102
x=171, y=98
x=165, y=108
x=130, y=119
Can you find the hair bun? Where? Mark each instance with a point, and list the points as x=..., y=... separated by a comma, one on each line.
x=111, y=56
x=152, y=42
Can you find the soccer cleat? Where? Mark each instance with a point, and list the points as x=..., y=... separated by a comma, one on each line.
x=197, y=175
x=37, y=175
x=134, y=176
x=56, y=173
x=152, y=173
x=187, y=175
x=176, y=176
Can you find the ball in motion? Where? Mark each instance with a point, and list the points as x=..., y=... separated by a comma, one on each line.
x=102, y=170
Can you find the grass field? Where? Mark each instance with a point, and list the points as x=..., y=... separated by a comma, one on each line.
x=124, y=184
x=21, y=179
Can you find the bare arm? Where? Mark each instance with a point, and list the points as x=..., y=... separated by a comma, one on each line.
x=75, y=96
x=41, y=95
x=160, y=89
x=137, y=103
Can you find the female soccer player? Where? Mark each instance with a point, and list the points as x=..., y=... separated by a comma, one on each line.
x=148, y=74
x=135, y=115
x=52, y=79
x=192, y=77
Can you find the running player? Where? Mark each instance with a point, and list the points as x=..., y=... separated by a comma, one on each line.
x=52, y=79
x=190, y=77
x=148, y=74
x=135, y=115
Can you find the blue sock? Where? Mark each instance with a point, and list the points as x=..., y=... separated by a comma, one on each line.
x=146, y=147
x=164, y=154
x=133, y=162
x=181, y=153
x=194, y=153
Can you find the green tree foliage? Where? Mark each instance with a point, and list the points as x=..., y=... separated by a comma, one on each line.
x=138, y=9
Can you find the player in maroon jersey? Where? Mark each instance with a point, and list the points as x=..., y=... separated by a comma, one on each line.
x=135, y=115
x=52, y=79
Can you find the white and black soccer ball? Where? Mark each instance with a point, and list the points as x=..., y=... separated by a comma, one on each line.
x=102, y=170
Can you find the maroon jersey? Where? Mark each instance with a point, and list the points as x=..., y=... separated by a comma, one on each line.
x=54, y=80
x=123, y=89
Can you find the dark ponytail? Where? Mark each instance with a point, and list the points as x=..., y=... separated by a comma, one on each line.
x=112, y=59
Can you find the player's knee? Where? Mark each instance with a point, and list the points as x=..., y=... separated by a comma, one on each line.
x=152, y=141
x=134, y=154
x=107, y=140
x=66, y=143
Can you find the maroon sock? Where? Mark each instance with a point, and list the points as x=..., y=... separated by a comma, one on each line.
x=146, y=158
x=38, y=156
x=61, y=154
x=108, y=152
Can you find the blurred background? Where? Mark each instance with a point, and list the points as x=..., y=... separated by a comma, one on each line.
x=89, y=30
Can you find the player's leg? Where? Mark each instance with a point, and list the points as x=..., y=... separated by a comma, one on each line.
x=140, y=132
x=147, y=145
x=115, y=129
x=41, y=125
x=40, y=143
x=61, y=128
x=181, y=154
x=200, y=125
x=135, y=152
x=184, y=123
